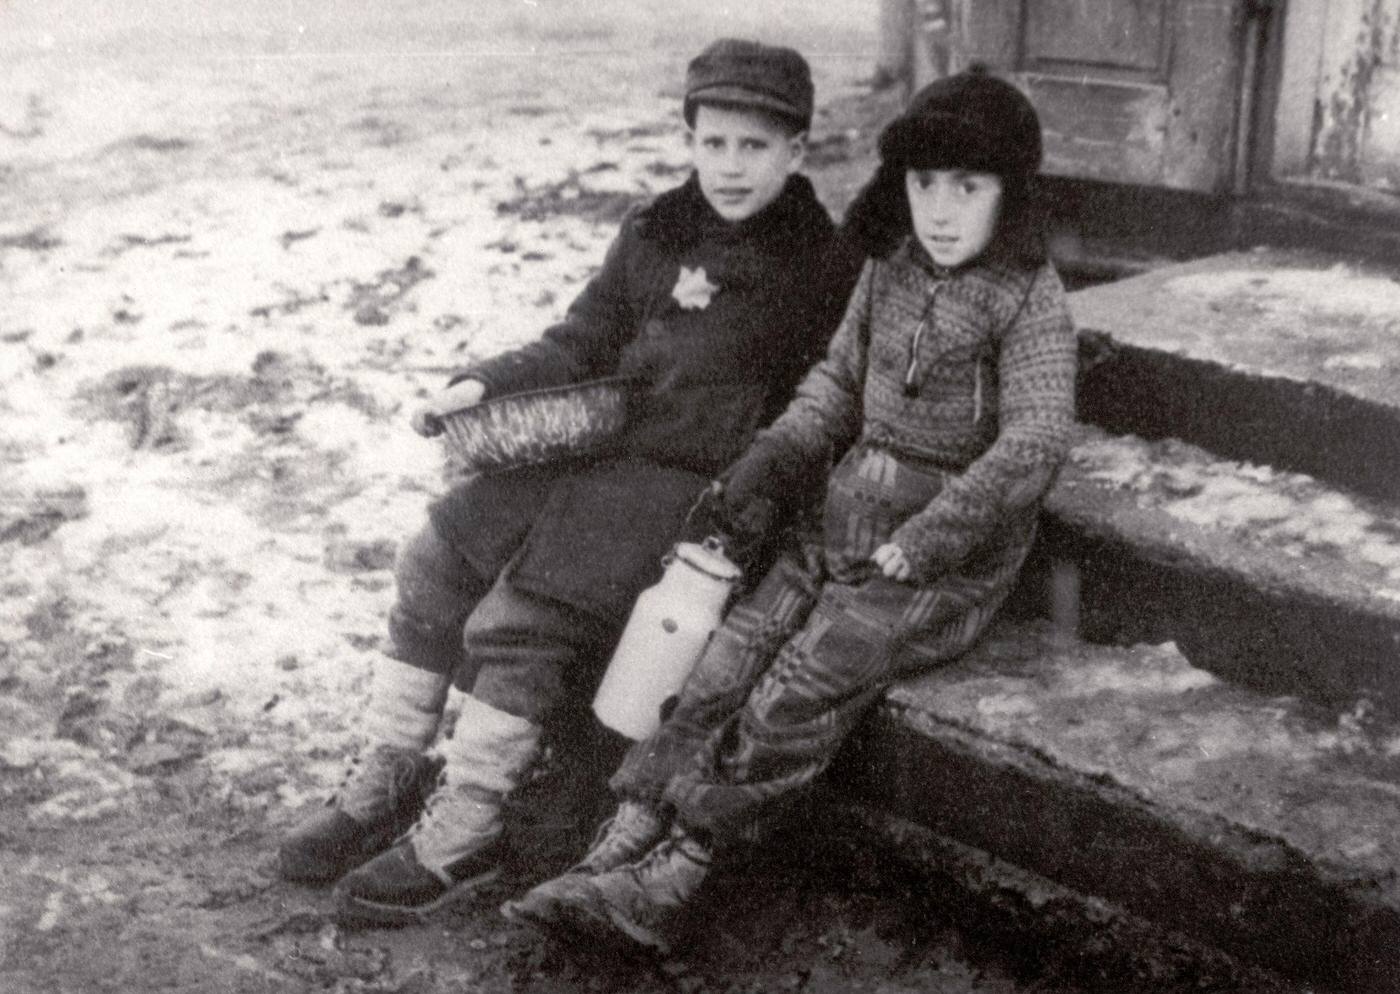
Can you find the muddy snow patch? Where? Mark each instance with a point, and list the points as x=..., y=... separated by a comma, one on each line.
x=1291, y=512
x=1340, y=289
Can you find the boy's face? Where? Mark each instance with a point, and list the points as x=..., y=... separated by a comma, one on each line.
x=954, y=212
x=743, y=159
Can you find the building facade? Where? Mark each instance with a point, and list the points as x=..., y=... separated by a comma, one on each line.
x=1228, y=97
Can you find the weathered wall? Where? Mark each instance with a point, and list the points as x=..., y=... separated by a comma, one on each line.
x=1339, y=113
x=1337, y=117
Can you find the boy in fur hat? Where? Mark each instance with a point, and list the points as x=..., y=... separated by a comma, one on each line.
x=714, y=294
x=946, y=401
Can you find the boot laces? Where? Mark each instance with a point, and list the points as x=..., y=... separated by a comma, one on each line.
x=454, y=815
x=631, y=830
x=384, y=776
x=667, y=868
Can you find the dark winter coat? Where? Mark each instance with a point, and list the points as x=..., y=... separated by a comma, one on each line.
x=720, y=321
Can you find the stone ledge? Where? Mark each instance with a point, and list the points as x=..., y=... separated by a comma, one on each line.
x=1283, y=357
x=1061, y=938
x=1248, y=823
x=1274, y=580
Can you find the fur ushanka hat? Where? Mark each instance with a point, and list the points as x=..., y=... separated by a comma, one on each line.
x=971, y=120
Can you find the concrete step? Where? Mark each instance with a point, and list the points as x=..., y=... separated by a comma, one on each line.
x=1270, y=579
x=1048, y=937
x=1281, y=357
x=1256, y=825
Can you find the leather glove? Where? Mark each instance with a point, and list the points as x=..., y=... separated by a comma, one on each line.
x=744, y=541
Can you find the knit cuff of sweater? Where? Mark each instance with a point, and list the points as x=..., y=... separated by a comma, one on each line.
x=928, y=557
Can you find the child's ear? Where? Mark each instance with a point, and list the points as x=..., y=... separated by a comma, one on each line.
x=689, y=138
x=797, y=146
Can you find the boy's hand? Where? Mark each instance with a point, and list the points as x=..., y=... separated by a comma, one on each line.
x=748, y=479
x=893, y=562
x=751, y=519
x=427, y=419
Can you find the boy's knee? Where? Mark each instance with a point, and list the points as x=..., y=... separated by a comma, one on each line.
x=509, y=620
x=520, y=648
x=526, y=691
x=428, y=569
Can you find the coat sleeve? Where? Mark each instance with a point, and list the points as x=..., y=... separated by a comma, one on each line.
x=825, y=413
x=586, y=344
x=1037, y=366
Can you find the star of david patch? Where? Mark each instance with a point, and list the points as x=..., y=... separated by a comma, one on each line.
x=693, y=289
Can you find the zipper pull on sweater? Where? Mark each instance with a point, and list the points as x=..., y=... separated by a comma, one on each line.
x=911, y=372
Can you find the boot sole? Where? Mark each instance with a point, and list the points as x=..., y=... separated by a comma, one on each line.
x=638, y=934
x=296, y=871
x=524, y=910
x=357, y=911
x=577, y=926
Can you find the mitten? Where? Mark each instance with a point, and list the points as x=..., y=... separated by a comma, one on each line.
x=758, y=474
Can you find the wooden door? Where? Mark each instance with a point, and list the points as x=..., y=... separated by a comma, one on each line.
x=1129, y=91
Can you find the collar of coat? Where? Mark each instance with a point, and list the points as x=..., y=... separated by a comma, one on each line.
x=682, y=217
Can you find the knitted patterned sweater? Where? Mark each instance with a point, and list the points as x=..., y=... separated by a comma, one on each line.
x=972, y=371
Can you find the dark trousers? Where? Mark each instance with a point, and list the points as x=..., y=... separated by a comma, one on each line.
x=510, y=648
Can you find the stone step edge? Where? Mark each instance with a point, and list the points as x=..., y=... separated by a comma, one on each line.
x=1063, y=936
x=1286, y=527
x=1255, y=898
x=1293, y=424
x=1269, y=639
x=1244, y=612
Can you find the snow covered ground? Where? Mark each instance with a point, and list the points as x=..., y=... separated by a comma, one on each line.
x=237, y=244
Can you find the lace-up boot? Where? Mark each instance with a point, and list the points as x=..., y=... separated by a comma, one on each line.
x=630, y=832
x=387, y=783
x=382, y=794
x=455, y=847
x=640, y=901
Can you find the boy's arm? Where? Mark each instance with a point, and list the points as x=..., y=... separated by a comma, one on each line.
x=823, y=417
x=831, y=279
x=584, y=345
x=1037, y=371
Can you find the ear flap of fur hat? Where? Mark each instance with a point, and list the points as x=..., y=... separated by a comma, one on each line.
x=971, y=120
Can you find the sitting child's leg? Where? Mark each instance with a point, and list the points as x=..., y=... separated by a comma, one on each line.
x=520, y=645
x=856, y=641
x=722, y=679
x=391, y=777
x=736, y=657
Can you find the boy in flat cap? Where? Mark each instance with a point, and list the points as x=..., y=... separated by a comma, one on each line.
x=715, y=295
x=946, y=398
